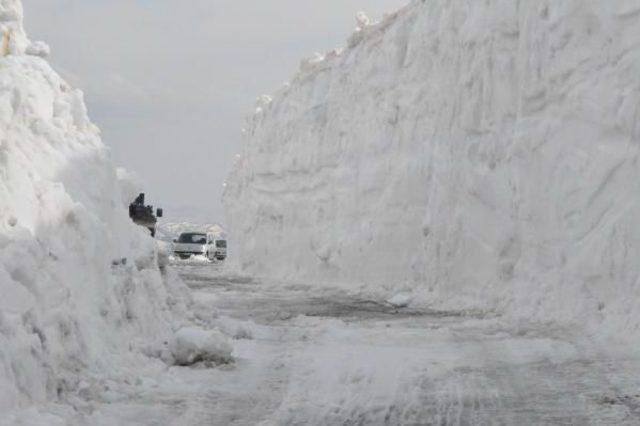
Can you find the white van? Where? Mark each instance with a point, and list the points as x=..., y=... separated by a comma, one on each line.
x=220, y=251
x=200, y=244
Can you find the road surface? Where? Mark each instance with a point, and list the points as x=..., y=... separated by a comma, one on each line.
x=306, y=358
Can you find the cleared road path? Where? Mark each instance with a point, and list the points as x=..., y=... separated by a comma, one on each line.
x=329, y=359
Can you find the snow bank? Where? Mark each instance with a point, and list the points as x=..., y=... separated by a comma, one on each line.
x=476, y=154
x=81, y=290
x=193, y=345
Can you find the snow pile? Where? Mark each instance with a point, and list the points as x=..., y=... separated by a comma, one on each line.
x=237, y=329
x=476, y=154
x=193, y=345
x=82, y=293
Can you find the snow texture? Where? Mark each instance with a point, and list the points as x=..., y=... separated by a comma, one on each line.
x=82, y=292
x=480, y=155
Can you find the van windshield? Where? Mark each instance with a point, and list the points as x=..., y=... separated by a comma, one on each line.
x=221, y=244
x=192, y=238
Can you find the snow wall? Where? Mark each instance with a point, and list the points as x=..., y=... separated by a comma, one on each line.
x=480, y=155
x=81, y=293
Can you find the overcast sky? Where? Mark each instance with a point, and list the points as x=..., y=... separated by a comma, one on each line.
x=170, y=82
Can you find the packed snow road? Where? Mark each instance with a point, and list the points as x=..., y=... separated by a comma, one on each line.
x=305, y=358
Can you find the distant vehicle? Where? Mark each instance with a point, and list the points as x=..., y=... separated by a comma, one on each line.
x=220, y=249
x=143, y=215
x=200, y=244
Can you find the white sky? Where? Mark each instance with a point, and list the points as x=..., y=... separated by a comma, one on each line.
x=170, y=85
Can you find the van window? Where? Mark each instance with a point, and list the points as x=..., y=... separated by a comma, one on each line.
x=221, y=244
x=191, y=238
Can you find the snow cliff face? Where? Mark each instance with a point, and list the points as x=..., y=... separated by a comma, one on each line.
x=81, y=291
x=478, y=154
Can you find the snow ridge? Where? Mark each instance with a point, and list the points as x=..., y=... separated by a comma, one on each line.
x=479, y=155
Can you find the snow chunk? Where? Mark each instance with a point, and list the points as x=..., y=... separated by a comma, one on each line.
x=310, y=63
x=362, y=21
x=264, y=101
x=193, y=345
x=239, y=330
x=400, y=300
x=38, y=48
